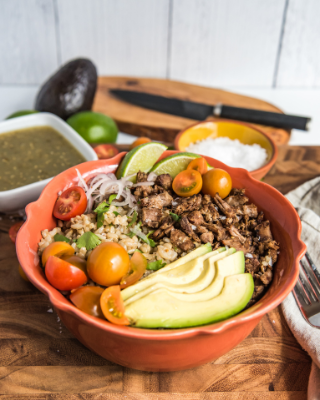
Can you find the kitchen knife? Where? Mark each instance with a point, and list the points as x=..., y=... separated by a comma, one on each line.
x=199, y=111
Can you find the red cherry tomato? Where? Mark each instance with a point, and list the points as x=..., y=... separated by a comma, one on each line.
x=57, y=249
x=105, y=151
x=14, y=230
x=112, y=306
x=108, y=263
x=87, y=299
x=199, y=164
x=187, y=183
x=70, y=203
x=217, y=181
x=65, y=276
x=138, y=266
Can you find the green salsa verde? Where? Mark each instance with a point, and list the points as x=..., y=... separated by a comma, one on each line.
x=34, y=154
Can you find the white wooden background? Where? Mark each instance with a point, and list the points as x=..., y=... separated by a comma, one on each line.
x=238, y=43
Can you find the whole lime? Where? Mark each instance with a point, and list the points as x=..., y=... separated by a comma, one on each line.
x=21, y=113
x=94, y=127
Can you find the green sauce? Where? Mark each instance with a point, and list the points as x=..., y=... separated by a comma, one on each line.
x=34, y=154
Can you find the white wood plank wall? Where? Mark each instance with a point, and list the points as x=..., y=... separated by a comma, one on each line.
x=239, y=43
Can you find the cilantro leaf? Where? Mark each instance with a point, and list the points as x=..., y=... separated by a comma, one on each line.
x=174, y=216
x=100, y=219
x=60, y=238
x=116, y=213
x=150, y=242
x=88, y=240
x=111, y=198
x=134, y=218
x=131, y=234
x=155, y=265
x=102, y=207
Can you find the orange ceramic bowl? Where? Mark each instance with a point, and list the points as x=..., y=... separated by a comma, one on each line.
x=245, y=133
x=164, y=350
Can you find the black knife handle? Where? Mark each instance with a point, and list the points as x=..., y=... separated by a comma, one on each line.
x=262, y=117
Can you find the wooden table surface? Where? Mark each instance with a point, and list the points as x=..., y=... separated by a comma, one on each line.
x=40, y=359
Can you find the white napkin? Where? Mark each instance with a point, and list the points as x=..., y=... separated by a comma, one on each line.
x=306, y=198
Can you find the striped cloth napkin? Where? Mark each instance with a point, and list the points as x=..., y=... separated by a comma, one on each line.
x=306, y=199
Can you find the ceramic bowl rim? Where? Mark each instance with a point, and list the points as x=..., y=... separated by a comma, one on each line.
x=61, y=303
x=273, y=157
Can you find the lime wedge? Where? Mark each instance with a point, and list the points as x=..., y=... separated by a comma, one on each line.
x=141, y=158
x=174, y=164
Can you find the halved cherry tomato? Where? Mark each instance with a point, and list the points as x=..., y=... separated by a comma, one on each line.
x=64, y=276
x=140, y=140
x=23, y=274
x=199, y=164
x=187, y=183
x=105, y=151
x=138, y=265
x=57, y=249
x=70, y=203
x=87, y=299
x=112, y=306
x=14, y=230
x=108, y=263
x=217, y=181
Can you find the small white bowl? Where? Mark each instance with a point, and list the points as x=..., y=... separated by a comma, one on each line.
x=17, y=199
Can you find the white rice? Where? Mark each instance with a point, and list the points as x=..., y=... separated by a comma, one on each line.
x=231, y=152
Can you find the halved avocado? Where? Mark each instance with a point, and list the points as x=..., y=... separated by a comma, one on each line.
x=151, y=279
x=197, y=285
x=161, y=310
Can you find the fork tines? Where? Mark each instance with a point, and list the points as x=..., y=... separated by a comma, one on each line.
x=307, y=290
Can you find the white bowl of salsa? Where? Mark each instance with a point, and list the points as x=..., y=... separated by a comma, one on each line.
x=33, y=149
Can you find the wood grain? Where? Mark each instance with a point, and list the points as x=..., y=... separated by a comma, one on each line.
x=39, y=358
x=225, y=43
x=299, y=64
x=121, y=37
x=158, y=126
x=28, y=46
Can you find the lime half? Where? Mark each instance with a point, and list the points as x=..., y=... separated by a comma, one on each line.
x=141, y=158
x=174, y=164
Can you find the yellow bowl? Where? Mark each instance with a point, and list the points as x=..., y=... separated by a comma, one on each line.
x=245, y=133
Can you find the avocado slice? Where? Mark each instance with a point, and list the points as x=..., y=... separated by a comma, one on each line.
x=161, y=310
x=197, y=285
x=232, y=265
x=149, y=280
x=70, y=90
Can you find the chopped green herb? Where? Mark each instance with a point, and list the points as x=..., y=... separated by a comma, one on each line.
x=175, y=217
x=60, y=238
x=111, y=198
x=102, y=207
x=155, y=265
x=100, y=219
x=131, y=234
x=134, y=218
x=149, y=241
x=88, y=240
x=116, y=213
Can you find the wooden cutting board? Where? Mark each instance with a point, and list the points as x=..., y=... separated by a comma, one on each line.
x=40, y=359
x=164, y=127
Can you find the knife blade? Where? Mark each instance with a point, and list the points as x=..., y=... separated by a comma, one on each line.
x=200, y=111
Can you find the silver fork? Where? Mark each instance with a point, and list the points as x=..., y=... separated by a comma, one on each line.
x=307, y=291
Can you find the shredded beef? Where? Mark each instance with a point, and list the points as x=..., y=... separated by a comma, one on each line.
x=151, y=217
x=164, y=180
x=181, y=240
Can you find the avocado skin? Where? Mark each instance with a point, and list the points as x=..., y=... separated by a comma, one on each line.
x=70, y=90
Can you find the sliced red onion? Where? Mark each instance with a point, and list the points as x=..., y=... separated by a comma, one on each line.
x=152, y=177
x=82, y=182
x=143, y=184
x=248, y=255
